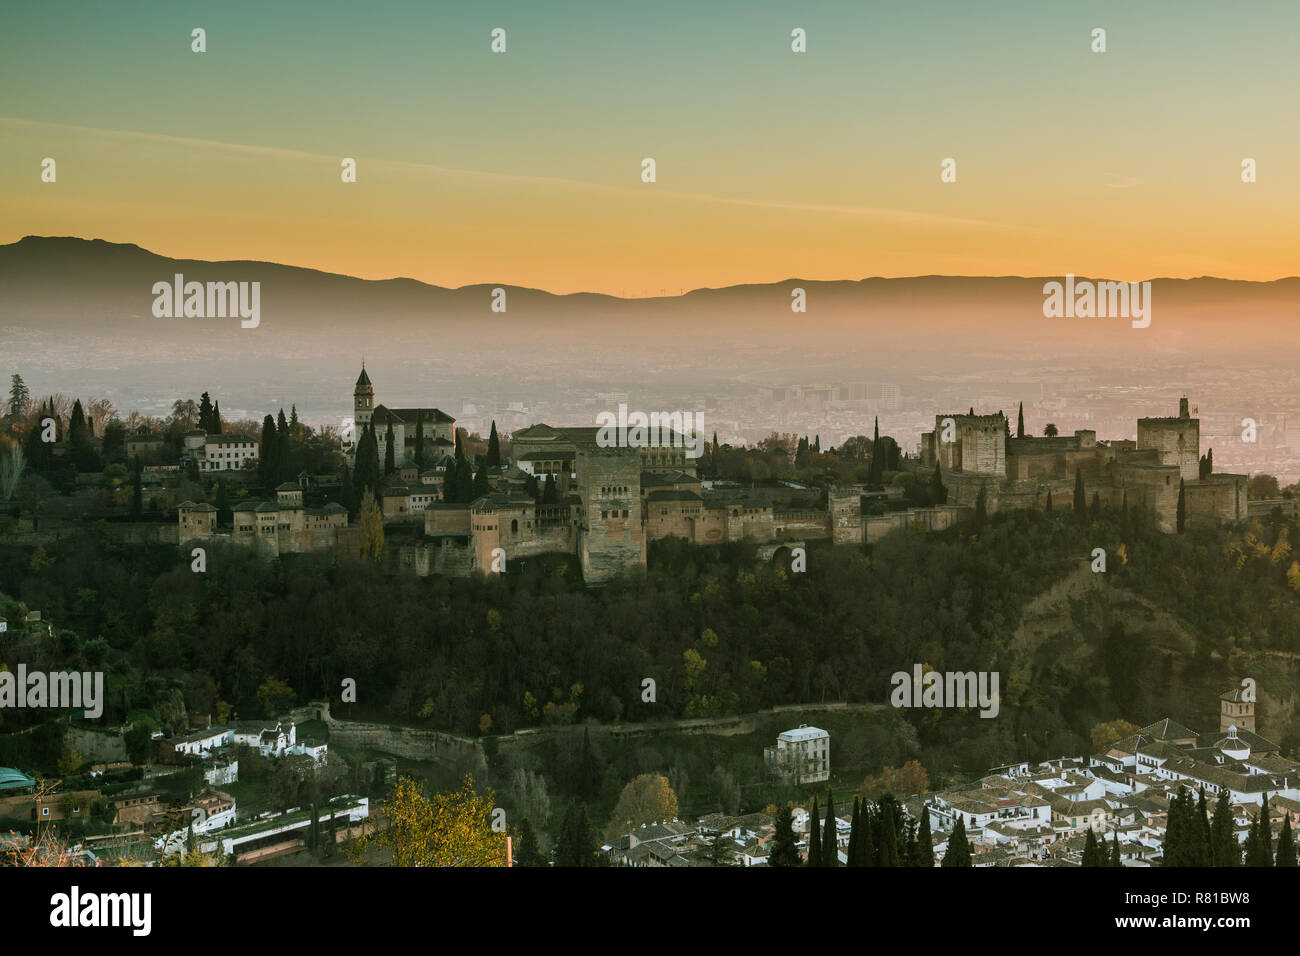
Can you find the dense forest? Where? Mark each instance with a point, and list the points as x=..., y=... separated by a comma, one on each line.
x=718, y=631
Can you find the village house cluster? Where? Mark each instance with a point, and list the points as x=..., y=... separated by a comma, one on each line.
x=1039, y=814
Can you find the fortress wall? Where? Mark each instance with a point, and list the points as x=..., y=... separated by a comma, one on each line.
x=1154, y=487
x=1219, y=498
x=447, y=520
x=804, y=524
x=545, y=541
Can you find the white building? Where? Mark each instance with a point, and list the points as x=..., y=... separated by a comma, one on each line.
x=227, y=452
x=803, y=753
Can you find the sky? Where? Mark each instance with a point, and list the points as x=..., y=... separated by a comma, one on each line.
x=525, y=167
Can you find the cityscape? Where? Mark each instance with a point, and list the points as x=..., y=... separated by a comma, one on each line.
x=571, y=438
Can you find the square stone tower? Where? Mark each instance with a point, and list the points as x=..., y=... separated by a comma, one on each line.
x=1178, y=440
x=1236, y=711
x=611, y=538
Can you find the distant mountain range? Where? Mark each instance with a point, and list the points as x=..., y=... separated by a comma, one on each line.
x=72, y=285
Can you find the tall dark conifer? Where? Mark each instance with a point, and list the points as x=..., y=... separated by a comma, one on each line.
x=855, y=823
x=205, y=413
x=1020, y=422
x=958, y=854
x=938, y=493
x=814, y=837
x=268, y=465
x=1286, y=855
x=1225, y=850
x=784, y=850
x=924, y=841
x=877, y=456
x=830, y=843
x=494, y=447
x=283, y=465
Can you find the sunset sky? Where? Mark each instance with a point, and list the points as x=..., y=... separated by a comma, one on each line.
x=525, y=167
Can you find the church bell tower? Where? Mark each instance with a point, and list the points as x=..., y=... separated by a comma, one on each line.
x=363, y=400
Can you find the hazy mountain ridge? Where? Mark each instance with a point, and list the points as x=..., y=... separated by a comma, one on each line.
x=75, y=282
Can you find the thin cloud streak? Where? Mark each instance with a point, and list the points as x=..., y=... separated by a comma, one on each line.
x=902, y=215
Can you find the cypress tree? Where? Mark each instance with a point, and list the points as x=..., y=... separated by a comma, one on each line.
x=527, y=852
x=913, y=852
x=465, y=480
x=77, y=424
x=494, y=447
x=1049, y=501
x=205, y=413
x=877, y=466
x=574, y=846
x=1020, y=422
x=481, y=484
x=1259, y=848
x=268, y=466
x=938, y=493
x=830, y=844
x=866, y=848
x=1225, y=851
x=222, y=504
x=814, y=838
x=1182, y=505
x=1091, y=854
x=283, y=467
x=1204, y=845
x=1286, y=855
x=1114, y=851
x=216, y=418
x=390, y=457
x=1096, y=505
x=924, y=841
x=784, y=850
x=347, y=497
x=886, y=835
x=855, y=823
x=1080, y=496
x=449, y=490
x=958, y=848
x=1174, y=848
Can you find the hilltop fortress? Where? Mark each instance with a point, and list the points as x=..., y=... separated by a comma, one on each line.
x=608, y=502
x=977, y=452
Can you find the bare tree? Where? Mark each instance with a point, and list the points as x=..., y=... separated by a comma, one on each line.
x=185, y=411
x=100, y=412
